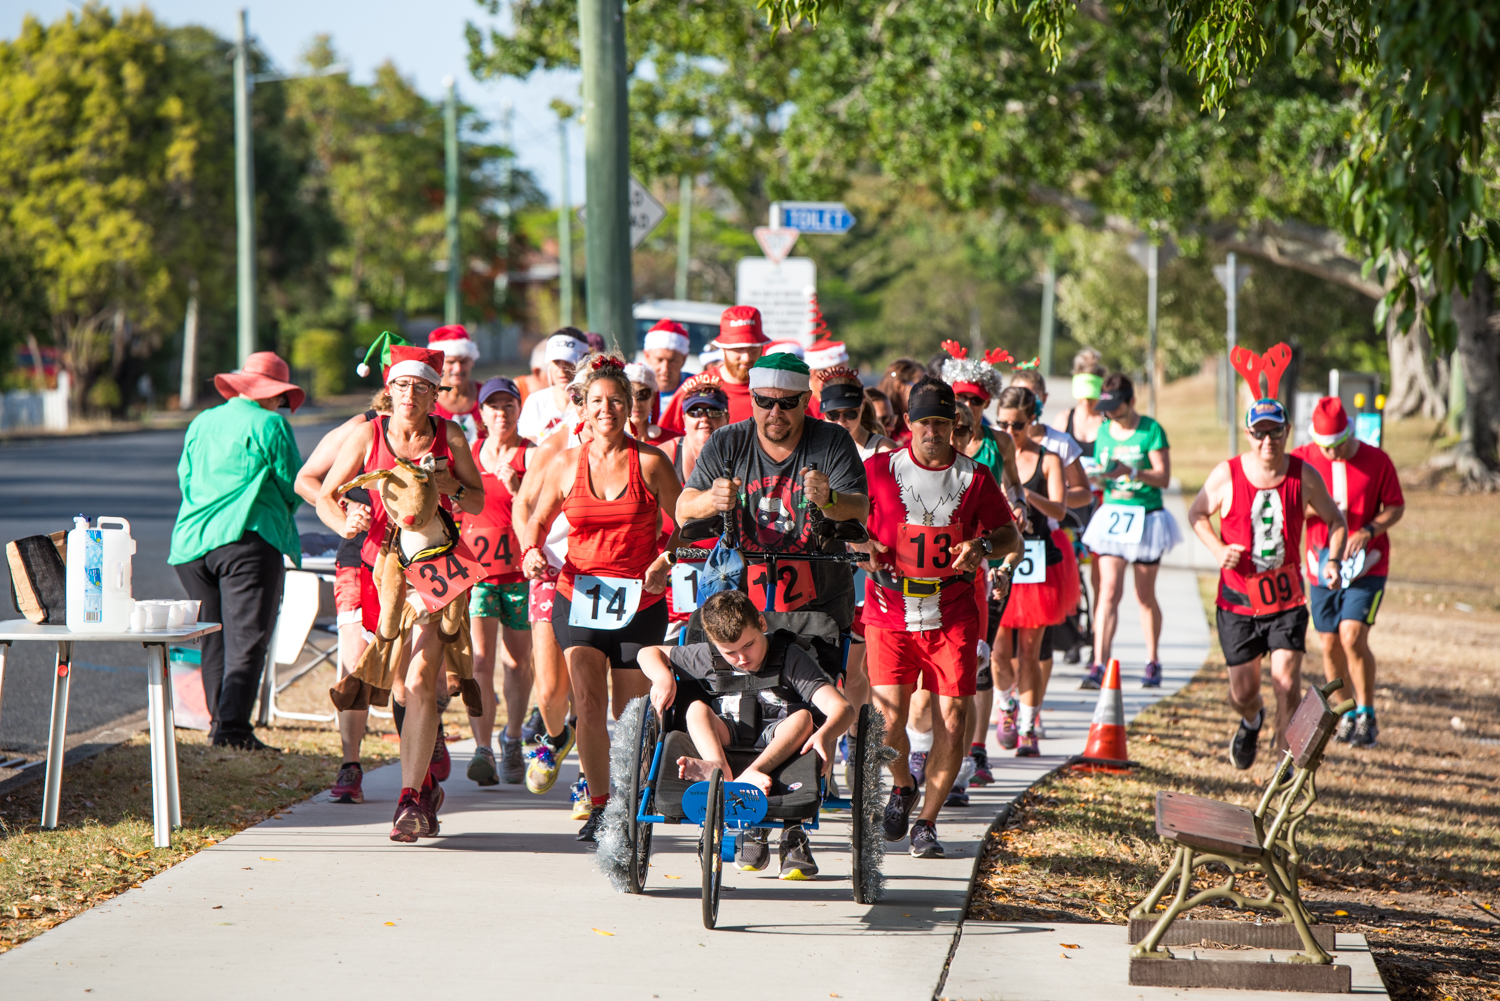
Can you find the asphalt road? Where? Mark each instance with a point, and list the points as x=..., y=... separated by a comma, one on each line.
x=43, y=484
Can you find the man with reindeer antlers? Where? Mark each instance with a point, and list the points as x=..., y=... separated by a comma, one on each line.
x=413, y=446
x=1262, y=498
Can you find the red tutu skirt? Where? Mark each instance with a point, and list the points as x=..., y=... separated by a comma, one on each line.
x=1035, y=605
x=1068, y=570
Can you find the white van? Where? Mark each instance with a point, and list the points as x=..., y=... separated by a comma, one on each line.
x=700, y=318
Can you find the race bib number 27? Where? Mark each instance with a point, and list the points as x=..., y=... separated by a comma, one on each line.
x=1123, y=522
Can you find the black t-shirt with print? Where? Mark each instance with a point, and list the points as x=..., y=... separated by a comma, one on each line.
x=800, y=678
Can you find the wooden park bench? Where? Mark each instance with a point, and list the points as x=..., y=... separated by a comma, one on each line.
x=1263, y=841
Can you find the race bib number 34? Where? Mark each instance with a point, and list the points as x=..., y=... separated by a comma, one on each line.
x=442, y=578
x=603, y=602
x=1274, y=591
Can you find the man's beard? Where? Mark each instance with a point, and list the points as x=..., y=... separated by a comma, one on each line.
x=777, y=433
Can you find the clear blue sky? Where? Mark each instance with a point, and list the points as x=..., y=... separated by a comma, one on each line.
x=425, y=40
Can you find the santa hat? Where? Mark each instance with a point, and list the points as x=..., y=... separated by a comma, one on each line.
x=408, y=359
x=453, y=340
x=973, y=376
x=740, y=327
x=780, y=371
x=826, y=354
x=668, y=334
x=1330, y=425
x=636, y=372
x=787, y=347
x=382, y=349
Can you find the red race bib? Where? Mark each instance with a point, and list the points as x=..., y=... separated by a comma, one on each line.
x=440, y=579
x=1275, y=590
x=927, y=550
x=495, y=549
x=794, y=585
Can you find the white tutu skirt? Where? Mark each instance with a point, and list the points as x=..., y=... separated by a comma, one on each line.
x=1159, y=534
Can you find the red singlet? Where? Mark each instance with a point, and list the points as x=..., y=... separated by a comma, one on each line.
x=496, y=515
x=610, y=538
x=1267, y=522
x=381, y=456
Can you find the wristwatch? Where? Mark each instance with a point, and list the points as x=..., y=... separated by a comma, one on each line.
x=458, y=495
x=986, y=544
x=833, y=498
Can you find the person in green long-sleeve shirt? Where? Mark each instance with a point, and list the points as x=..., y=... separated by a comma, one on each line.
x=238, y=464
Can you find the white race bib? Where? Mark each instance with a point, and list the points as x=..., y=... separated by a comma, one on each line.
x=1033, y=566
x=604, y=602
x=685, y=586
x=1122, y=522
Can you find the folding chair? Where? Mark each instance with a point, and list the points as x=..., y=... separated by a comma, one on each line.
x=299, y=610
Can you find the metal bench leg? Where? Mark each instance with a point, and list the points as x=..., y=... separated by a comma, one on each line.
x=1312, y=951
x=1181, y=869
x=161, y=772
x=174, y=801
x=52, y=790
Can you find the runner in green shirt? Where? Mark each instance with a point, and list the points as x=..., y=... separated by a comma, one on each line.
x=1121, y=445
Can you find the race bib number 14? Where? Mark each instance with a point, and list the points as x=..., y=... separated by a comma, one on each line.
x=604, y=602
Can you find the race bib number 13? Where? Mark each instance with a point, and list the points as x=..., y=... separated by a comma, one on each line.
x=927, y=550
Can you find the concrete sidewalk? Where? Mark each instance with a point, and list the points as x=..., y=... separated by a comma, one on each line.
x=319, y=900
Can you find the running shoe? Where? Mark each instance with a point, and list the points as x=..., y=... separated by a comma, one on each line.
x=1094, y=679
x=898, y=811
x=919, y=767
x=1242, y=748
x=442, y=762
x=546, y=761
x=1039, y=729
x=752, y=852
x=1346, y=728
x=533, y=729
x=796, y=854
x=1028, y=746
x=1008, y=733
x=590, y=830
x=349, y=786
x=981, y=758
x=1365, y=730
x=410, y=821
x=512, y=761
x=582, y=806
x=957, y=797
x=924, y=842
x=430, y=801
x=482, y=767
x=1152, y=677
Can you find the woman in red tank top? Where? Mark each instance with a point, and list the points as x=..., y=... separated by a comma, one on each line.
x=410, y=433
x=610, y=596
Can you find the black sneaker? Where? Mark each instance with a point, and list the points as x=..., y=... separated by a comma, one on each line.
x=898, y=811
x=958, y=797
x=590, y=829
x=1152, y=676
x=245, y=742
x=1365, y=730
x=796, y=854
x=533, y=729
x=924, y=842
x=1242, y=748
x=1093, y=679
x=751, y=851
x=1346, y=728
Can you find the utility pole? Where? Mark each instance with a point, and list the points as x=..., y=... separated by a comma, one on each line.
x=1231, y=276
x=684, y=232
x=450, y=204
x=606, y=140
x=244, y=191
x=564, y=229
x=1152, y=256
x=187, y=395
x=503, y=210
x=1049, y=324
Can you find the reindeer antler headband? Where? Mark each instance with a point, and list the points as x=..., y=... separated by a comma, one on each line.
x=976, y=376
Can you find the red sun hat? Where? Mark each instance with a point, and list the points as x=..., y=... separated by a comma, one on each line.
x=1330, y=425
x=408, y=359
x=740, y=327
x=453, y=340
x=263, y=377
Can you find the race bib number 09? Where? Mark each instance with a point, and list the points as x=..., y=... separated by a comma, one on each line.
x=603, y=602
x=442, y=578
x=685, y=586
x=1274, y=591
x=926, y=550
x=1033, y=566
x=793, y=586
x=1123, y=522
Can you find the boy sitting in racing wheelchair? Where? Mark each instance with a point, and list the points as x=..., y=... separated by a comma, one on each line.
x=774, y=714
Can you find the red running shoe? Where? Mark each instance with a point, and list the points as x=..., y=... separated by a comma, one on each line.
x=442, y=762
x=409, y=822
x=430, y=801
x=348, y=787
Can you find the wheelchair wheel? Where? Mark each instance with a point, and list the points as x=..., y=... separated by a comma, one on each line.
x=857, y=802
x=710, y=854
x=637, y=833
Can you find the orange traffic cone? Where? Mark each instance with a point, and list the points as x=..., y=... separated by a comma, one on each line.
x=1105, y=751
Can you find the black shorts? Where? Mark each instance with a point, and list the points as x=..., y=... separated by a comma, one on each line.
x=647, y=628
x=1246, y=637
x=744, y=737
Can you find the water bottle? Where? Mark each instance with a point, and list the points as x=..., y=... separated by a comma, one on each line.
x=99, y=589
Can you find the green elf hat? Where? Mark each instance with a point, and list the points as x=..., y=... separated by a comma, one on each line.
x=382, y=346
x=782, y=370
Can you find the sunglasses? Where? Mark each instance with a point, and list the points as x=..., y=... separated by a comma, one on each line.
x=842, y=415
x=644, y=396
x=1275, y=434
x=777, y=402
x=963, y=431
x=707, y=413
x=972, y=401
x=1012, y=425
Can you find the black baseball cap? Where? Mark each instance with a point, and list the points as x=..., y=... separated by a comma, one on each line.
x=499, y=384
x=1111, y=400
x=841, y=396
x=931, y=398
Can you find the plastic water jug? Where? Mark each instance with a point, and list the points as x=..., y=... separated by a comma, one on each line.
x=100, y=597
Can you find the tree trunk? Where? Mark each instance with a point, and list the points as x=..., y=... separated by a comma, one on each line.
x=1418, y=379
x=1474, y=458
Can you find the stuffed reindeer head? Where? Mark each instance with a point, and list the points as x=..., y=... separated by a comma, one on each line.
x=409, y=496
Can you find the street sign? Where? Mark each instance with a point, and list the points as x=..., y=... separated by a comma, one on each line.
x=1241, y=273
x=782, y=292
x=646, y=213
x=820, y=218
x=776, y=243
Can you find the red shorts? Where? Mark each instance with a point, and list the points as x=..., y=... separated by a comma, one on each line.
x=942, y=660
x=354, y=591
x=540, y=596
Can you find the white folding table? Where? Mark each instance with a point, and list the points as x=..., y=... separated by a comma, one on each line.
x=165, y=808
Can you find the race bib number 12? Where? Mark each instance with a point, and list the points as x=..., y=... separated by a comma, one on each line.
x=604, y=602
x=794, y=585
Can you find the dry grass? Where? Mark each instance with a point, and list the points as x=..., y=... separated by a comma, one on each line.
x=1404, y=844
